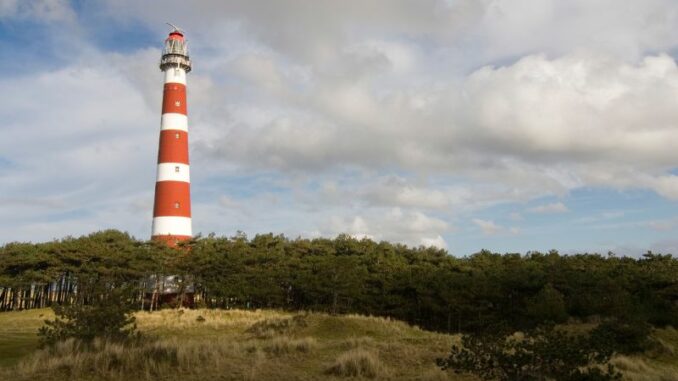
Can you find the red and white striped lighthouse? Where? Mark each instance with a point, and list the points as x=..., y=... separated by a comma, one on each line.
x=172, y=207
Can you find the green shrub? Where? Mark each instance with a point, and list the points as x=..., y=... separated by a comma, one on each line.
x=107, y=315
x=547, y=305
x=541, y=354
x=625, y=337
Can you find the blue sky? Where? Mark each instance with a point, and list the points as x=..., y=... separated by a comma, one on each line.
x=506, y=125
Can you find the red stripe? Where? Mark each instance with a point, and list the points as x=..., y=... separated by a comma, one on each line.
x=174, y=98
x=171, y=240
x=173, y=147
x=172, y=198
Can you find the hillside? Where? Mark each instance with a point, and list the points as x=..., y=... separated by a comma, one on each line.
x=261, y=345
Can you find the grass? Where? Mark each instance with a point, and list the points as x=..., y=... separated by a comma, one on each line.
x=18, y=333
x=235, y=345
x=357, y=363
x=262, y=345
x=659, y=364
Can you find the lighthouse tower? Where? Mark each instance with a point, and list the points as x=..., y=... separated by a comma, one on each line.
x=172, y=207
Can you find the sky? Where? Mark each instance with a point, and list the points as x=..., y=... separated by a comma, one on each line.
x=507, y=125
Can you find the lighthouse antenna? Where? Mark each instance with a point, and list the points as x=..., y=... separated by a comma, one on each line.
x=176, y=28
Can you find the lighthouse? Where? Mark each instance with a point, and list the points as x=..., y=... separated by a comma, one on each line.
x=172, y=205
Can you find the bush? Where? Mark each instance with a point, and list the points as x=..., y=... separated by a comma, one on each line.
x=547, y=305
x=543, y=353
x=106, y=316
x=623, y=337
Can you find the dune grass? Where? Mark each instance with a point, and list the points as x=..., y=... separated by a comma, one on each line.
x=261, y=345
x=659, y=364
x=236, y=345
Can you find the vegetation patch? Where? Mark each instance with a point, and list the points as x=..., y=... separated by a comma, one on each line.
x=269, y=328
x=543, y=353
x=285, y=345
x=344, y=275
x=357, y=363
x=183, y=349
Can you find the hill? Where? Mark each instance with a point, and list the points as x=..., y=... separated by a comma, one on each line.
x=262, y=345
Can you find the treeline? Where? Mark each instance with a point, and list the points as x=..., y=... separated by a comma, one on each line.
x=424, y=286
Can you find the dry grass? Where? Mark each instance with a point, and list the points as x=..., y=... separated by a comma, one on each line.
x=659, y=364
x=264, y=345
x=639, y=369
x=284, y=345
x=358, y=342
x=103, y=360
x=173, y=320
x=357, y=363
x=269, y=328
x=243, y=345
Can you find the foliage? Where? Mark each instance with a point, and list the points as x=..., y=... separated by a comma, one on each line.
x=483, y=292
x=625, y=337
x=545, y=353
x=106, y=315
x=547, y=305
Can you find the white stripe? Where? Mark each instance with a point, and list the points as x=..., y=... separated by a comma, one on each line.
x=174, y=121
x=172, y=226
x=175, y=75
x=173, y=172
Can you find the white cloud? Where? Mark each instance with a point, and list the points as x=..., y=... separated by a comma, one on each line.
x=396, y=225
x=487, y=226
x=556, y=207
x=431, y=108
x=77, y=142
x=438, y=242
x=490, y=228
x=539, y=126
x=572, y=111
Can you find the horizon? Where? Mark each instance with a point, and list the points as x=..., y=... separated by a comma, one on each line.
x=465, y=125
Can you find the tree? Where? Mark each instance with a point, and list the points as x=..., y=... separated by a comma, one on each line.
x=547, y=305
x=542, y=354
x=106, y=314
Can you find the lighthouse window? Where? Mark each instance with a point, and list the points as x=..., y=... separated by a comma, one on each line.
x=176, y=135
x=176, y=169
x=176, y=205
x=177, y=103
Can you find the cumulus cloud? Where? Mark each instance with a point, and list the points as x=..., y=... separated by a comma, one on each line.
x=414, y=228
x=539, y=125
x=420, y=111
x=354, y=93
